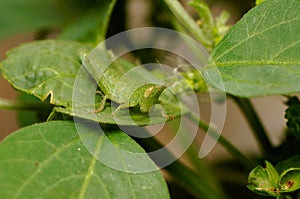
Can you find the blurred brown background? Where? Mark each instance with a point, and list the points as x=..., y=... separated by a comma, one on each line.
x=8, y=122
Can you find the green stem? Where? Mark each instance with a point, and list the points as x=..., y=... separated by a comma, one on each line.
x=223, y=141
x=105, y=23
x=188, y=22
x=12, y=105
x=249, y=112
x=185, y=177
x=207, y=18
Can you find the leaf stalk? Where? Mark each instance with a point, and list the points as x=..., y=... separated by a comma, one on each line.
x=23, y=106
x=258, y=129
x=223, y=141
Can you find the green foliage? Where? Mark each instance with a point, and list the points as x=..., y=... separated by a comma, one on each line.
x=14, y=17
x=49, y=160
x=264, y=180
x=195, y=81
x=93, y=24
x=292, y=114
x=116, y=83
x=213, y=28
x=292, y=162
x=44, y=68
x=78, y=20
x=268, y=181
x=50, y=68
x=260, y=55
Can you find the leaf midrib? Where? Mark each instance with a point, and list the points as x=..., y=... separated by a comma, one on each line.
x=89, y=173
x=250, y=63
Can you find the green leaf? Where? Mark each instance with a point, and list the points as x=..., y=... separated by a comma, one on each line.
x=124, y=117
x=92, y=26
x=292, y=114
x=81, y=20
x=51, y=68
x=272, y=173
x=49, y=160
x=291, y=162
x=45, y=68
x=86, y=104
x=22, y=16
x=261, y=53
x=290, y=180
x=264, y=181
x=289, y=170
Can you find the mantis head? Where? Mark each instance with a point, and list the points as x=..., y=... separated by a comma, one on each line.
x=149, y=95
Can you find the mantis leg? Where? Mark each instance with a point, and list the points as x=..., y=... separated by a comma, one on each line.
x=102, y=104
x=121, y=106
x=163, y=112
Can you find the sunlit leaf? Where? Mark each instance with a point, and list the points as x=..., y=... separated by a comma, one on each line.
x=290, y=180
x=261, y=54
x=264, y=181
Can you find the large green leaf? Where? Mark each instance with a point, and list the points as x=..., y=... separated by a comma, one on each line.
x=125, y=116
x=80, y=18
x=49, y=160
x=18, y=16
x=261, y=53
x=45, y=68
x=85, y=103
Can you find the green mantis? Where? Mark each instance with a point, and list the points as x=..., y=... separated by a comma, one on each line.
x=130, y=86
x=126, y=90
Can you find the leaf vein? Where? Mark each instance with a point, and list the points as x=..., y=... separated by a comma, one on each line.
x=255, y=34
x=90, y=171
x=284, y=49
x=42, y=164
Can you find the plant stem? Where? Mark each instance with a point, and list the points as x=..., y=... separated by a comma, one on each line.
x=190, y=181
x=249, y=112
x=185, y=177
x=105, y=23
x=188, y=22
x=42, y=34
x=37, y=106
x=223, y=141
x=192, y=152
